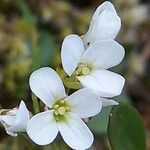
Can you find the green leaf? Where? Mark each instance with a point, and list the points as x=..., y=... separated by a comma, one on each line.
x=99, y=123
x=43, y=51
x=26, y=12
x=125, y=129
x=47, y=49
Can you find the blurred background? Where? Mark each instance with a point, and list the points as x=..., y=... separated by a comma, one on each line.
x=31, y=34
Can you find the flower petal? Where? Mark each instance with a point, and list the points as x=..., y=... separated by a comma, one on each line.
x=104, y=54
x=42, y=128
x=105, y=26
x=85, y=103
x=108, y=102
x=7, y=131
x=8, y=121
x=71, y=52
x=104, y=82
x=21, y=119
x=75, y=133
x=47, y=85
x=104, y=6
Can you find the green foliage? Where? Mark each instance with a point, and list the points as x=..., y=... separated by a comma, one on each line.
x=126, y=130
x=99, y=123
x=47, y=49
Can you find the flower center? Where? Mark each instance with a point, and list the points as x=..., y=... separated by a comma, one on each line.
x=61, y=108
x=83, y=69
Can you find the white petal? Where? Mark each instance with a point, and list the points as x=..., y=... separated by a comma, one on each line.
x=21, y=119
x=75, y=133
x=6, y=128
x=108, y=102
x=8, y=121
x=104, y=82
x=42, y=128
x=109, y=24
x=85, y=103
x=71, y=52
x=104, y=6
x=47, y=85
x=105, y=26
x=104, y=54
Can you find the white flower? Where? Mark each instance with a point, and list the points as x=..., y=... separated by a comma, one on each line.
x=15, y=120
x=89, y=66
x=105, y=24
x=65, y=112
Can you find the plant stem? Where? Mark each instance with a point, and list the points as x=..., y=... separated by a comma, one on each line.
x=55, y=146
x=23, y=137
x=35, y=103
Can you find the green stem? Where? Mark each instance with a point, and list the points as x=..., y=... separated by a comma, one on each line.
x=23, y=137
x=35, y=103
x=55, y=146
x=70, y=82
x=59, y=146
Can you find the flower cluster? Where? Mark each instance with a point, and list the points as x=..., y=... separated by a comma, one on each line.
x=86, y=57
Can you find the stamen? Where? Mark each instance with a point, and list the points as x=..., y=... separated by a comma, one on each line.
x=56, y=106
x=56, y=112
x=77, y=72
x=62, y=101
x=67, y=108
x=83, y=69
x=61, y=110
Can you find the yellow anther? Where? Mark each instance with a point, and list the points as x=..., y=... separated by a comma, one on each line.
x=67, y=108
x=62, y=101
x=56, y=112
x=61, y=110
x=56, y=106
x=78, y=71
x=85, y=70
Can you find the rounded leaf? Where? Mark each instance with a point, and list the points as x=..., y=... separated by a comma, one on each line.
x=126, y=130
